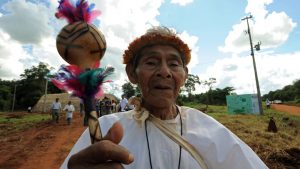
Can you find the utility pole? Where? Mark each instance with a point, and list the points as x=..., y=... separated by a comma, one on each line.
x=254, y=64
x=45, y=96
x=14, y=98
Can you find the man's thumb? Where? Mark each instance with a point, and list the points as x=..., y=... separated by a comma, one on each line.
x=115, y=133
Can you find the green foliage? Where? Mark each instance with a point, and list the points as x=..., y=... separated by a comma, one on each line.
x=28, y=90
x=20, y=121
x=128, y=90
x=252, y=129
x=191, y=82
x=212, y=97
x=36, y=72
x=6, y=94
x=287, y=93
x=31, y=86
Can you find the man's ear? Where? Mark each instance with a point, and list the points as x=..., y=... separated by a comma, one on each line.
x=186, y=72
x=131, y=74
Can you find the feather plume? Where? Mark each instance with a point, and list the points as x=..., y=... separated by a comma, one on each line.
x=87, y=84
x=82, y=11
x=66, y=79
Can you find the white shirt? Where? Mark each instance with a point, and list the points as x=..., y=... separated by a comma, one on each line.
x=70, y=109
x=56, y=105
x=123, y=104
x=220, y=148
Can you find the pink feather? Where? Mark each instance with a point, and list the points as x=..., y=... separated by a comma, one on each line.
x=81, y=12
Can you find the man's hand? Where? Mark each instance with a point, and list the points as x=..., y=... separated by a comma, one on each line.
x=105, y=154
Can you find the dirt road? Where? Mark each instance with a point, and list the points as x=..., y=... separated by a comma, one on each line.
x=43, y=147
x=294, y=110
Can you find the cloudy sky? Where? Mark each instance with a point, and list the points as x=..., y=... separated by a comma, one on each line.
x=213, y=29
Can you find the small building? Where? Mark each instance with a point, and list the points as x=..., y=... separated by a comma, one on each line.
x=242, y=104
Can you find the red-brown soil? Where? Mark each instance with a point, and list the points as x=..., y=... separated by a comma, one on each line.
x=43, y=146
x=294, y=110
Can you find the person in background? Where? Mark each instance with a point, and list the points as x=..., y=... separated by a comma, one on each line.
x=268, y=103
x=29, y=109
x=81, y=106
x=55, y=110
x=113, y=106
x=69, y=108
x=123, y=103
x=130, y=106
x=98, y=108
x=106, y=106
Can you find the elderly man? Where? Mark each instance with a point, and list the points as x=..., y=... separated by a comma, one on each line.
x=157, y=63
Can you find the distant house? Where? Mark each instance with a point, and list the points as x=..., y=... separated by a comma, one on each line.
x=45, y=103
x=242, y=104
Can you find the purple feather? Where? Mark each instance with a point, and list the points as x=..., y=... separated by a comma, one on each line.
x=86, y=84
x=80, y=12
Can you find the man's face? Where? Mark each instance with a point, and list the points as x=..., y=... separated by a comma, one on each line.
x=160, y=74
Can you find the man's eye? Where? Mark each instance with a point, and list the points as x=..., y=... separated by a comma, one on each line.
x=174, y=64
x=150, y=63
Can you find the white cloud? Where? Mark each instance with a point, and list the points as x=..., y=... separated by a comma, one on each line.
x=182, y=2
x=26, y=38
x=192, y=43
x=26, y=22
x=120, y=21
x=272, y=29
x=46, y=52
x=11, y=56
x=258, y=8
x=274, y=72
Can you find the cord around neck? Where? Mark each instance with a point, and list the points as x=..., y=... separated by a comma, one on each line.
x=148, y=146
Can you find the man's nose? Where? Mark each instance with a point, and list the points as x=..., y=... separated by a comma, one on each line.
x=164, y=71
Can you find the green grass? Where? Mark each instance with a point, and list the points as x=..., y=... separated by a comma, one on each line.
x=18, y=121
x=252, y=129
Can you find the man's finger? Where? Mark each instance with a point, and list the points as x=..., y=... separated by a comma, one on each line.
x=101, y=152
x=115, y=133
x=109, y=165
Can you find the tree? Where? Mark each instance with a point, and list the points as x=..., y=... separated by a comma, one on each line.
x=31, y=86
x=209, y=83
x=128, y=90
x=218, y=96
x=297, y=88
x=36, y=72
x=287, y=93
x=190, y=83
x=6, y=93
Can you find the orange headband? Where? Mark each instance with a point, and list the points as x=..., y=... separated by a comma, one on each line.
x=156, y=36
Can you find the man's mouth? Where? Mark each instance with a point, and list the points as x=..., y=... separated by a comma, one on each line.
x=162, y=87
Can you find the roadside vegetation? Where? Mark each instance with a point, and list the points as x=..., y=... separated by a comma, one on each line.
x=19, y=121
x=278, y=150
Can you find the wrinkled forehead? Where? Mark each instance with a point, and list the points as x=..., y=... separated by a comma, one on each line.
x=158, y=51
